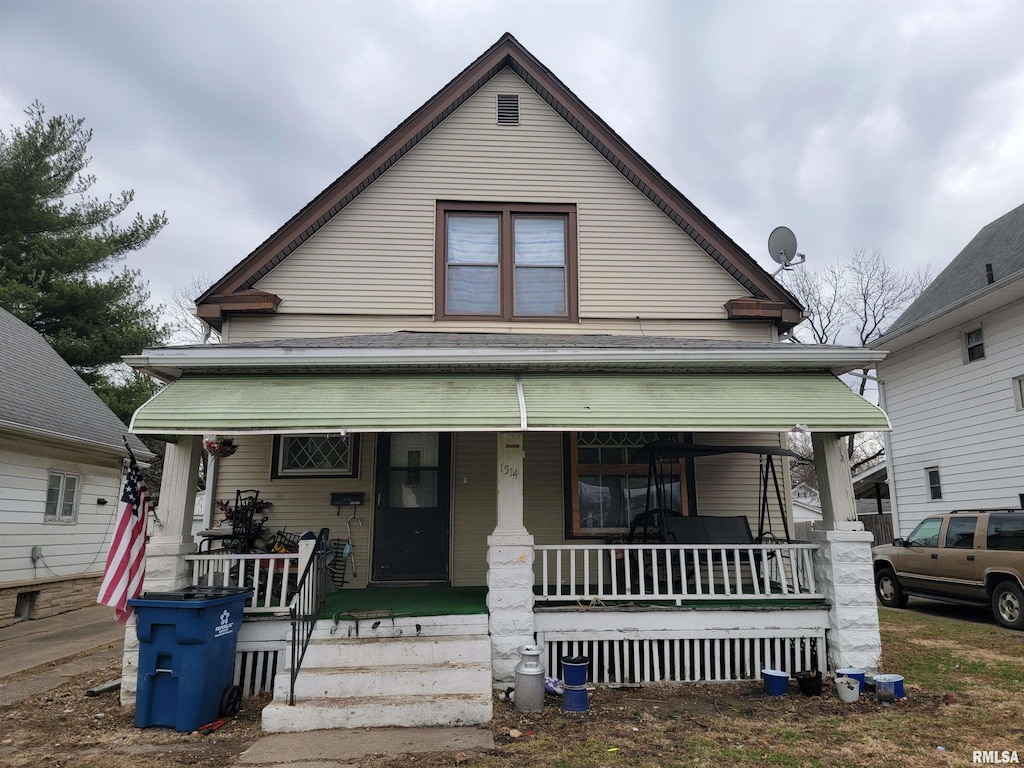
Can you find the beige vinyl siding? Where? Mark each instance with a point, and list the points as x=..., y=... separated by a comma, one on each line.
x=475, y=498
x=293, y=326
x=728, y=485
x=960, y=417
x=303, y=503
x=474, y=505
x=69, y=549
x=377, y=256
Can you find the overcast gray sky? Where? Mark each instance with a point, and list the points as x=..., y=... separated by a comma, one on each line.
x=897, y=125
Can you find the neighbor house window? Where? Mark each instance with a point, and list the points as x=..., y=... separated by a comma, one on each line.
x=934, y=483
x=974, y=345
x=62, y=491
x=607, y=488
x=1018, y=392
x=315, y=456
x=508, y=262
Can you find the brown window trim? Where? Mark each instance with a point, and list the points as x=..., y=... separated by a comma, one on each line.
x=573, y=469
x=506, y=267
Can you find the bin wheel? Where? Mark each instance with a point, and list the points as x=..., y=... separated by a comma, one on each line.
x=231, y=701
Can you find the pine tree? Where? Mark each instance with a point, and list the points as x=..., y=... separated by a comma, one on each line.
x=59, y=247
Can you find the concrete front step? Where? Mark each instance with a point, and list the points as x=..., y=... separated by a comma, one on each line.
x=403, y=626
x=374, y=711
x=398, y=680
x=377, y=652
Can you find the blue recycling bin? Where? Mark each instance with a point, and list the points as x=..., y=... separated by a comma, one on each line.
x=187, y=642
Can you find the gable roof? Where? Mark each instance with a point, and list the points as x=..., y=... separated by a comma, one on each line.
x=999, y=244
x=506, y=52
x=41, y=395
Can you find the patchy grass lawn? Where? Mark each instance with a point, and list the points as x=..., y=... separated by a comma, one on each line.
x=965, y=692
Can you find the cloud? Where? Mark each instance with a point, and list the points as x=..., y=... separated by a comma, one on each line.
x=897, y=125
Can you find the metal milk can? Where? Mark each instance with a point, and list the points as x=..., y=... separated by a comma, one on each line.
x=529, y=680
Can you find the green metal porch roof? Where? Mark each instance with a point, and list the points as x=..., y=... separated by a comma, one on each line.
x=400, y=402
x=706, y=402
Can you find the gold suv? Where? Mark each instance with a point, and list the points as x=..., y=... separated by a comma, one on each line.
x=972, y=557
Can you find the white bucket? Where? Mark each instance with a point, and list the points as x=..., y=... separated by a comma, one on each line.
x=848, y=689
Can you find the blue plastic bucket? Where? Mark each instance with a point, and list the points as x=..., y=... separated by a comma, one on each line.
x=889, y=685
x=575, y=700
x=776, y=683
x=856, y=674
x=574, y=670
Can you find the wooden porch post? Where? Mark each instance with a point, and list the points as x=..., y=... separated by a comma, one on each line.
x=842, y=563
x=509, y=564
x=166, y=568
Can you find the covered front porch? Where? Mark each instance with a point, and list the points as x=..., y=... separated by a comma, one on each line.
x=510, y=496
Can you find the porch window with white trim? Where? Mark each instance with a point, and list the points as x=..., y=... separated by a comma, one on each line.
x=316, y=455
x=606, y=490
x=62, y=491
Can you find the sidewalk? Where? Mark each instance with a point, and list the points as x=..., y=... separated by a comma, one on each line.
x=92, y=634
x=30, y=644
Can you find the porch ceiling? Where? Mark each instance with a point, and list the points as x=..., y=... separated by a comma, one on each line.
x=442, y=402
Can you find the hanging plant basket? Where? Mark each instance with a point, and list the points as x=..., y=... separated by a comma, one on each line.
x=221, y=447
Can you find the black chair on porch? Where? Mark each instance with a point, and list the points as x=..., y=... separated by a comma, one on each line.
x=245, y=528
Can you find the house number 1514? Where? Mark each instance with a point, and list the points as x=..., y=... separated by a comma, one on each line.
x=510, y=471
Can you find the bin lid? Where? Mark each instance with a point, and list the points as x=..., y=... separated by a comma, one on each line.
x=195, y=593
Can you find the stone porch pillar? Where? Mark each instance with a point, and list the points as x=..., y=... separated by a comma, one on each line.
x=166, y=568
x=842, y=564
x=509, y=565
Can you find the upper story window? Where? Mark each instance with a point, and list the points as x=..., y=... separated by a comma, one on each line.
x=974, y=345
x=315, y=456
x=62, y=493
x=506, y=261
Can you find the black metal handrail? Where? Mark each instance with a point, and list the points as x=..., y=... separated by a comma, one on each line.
x=308, y=601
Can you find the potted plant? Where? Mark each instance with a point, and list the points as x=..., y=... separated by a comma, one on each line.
x=221, y=447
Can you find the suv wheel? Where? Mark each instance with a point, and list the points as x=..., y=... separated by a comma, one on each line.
x=1008, y=604
x=888, y=588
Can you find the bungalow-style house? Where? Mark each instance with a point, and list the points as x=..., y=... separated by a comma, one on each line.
x=61, y=452
x=953, y=383
x=455, y=359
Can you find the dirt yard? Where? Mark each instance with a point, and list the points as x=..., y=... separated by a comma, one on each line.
x=965, y=685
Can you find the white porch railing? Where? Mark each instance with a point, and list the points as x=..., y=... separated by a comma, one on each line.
x=271, y=576
x=676, y=572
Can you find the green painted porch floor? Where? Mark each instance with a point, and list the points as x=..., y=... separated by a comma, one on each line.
x=408, y=601
x=449, y=601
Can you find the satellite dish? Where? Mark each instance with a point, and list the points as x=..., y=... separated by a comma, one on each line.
x=782, y=249
x=782, y=245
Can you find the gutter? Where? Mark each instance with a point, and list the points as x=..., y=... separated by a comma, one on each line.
x=61, y=439
x=169, y=364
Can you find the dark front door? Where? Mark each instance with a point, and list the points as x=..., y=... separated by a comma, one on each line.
x=410, y=534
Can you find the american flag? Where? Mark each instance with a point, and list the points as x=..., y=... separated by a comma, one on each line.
x=126, y=560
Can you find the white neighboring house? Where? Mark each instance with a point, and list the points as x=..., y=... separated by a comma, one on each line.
x=953, y=383
x=61, y=454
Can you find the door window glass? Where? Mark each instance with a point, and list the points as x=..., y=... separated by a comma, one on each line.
x=927, y=533
x=413, y=481
x=960, y=532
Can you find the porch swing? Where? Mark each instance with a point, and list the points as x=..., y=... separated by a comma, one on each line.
x=661, y=523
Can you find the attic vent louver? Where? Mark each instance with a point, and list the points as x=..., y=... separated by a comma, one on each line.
x=508, y=109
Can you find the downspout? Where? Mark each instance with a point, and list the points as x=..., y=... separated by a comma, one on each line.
x=891, y=463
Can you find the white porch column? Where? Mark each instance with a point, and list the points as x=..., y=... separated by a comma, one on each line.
x=171, y=541
x=842, y=564
x=509, y=564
